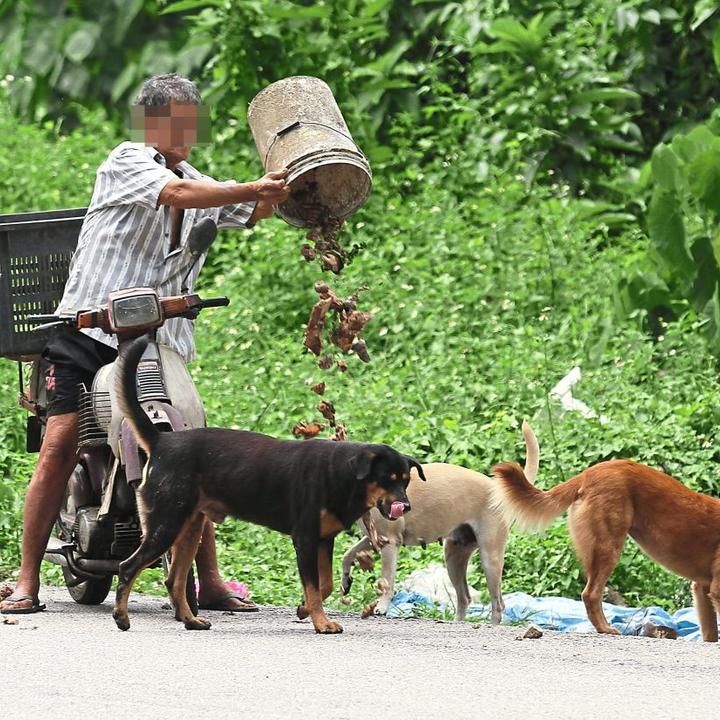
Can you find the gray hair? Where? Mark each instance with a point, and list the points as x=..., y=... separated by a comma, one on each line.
x=161, y=90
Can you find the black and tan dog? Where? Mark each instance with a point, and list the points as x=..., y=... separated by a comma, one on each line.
x=310, y=490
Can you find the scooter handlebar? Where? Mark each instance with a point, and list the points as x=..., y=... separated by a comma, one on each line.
x=187, y=306
x=220, y=301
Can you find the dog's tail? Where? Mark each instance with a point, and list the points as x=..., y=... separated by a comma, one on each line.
x=126, y=395
x=530, y=508
x=532, y=456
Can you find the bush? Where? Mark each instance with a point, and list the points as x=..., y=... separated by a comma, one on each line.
x=54, y=170
x=681, y=268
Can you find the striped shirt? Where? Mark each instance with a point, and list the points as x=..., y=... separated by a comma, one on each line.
x=125, y=240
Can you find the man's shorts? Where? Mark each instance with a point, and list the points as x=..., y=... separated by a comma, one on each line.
x=72, y=360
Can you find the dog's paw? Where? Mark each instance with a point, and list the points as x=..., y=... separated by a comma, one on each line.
x=302, y=612
x=330, y=627
x=121, y=620
x=197, y=623
x=381, y=608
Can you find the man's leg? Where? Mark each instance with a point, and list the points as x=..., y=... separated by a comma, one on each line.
x=56, y=461
x=213, y=590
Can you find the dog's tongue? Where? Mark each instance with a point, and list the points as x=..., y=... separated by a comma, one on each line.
x=397, y=509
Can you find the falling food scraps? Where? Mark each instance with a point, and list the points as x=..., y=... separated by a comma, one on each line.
x=325, y=246
x=348, y=322
x=333, y=320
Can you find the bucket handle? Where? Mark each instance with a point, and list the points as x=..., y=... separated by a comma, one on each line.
x=295, y=125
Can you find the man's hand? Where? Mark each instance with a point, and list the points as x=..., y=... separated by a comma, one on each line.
x=272, y=188
x=263, y=210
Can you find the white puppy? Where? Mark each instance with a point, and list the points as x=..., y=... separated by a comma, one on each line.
x=454, y=505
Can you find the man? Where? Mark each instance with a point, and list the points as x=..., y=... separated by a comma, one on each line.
x=146, y=199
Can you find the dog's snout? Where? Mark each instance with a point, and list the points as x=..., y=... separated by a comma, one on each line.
x=406, y=507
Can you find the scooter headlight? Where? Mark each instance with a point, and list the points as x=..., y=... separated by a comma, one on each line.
x=139, y=310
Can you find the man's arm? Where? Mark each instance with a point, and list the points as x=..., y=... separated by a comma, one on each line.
x=201, y=194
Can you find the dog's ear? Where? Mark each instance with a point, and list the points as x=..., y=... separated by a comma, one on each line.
x=415, y=464
x=361, y=464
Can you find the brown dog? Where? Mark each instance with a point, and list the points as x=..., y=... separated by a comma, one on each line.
x=675, y=526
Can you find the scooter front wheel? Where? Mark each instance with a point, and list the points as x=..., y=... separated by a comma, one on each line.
x=88, y=592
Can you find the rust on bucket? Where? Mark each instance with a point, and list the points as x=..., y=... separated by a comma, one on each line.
x=297, y=124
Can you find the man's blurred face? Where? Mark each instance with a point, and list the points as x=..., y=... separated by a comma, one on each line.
x=172, y=129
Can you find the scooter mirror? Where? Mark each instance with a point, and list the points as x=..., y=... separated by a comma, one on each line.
x=200, y=239
x=202, y=235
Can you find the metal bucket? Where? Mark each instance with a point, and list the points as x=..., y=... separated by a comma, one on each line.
x=297, y=125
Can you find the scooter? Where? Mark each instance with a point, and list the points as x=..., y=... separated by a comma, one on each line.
x=98, y=524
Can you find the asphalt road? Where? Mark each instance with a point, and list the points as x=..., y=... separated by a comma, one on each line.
x=71, y=661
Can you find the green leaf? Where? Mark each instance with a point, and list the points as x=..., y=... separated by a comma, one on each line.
x=183, y=5
x=516, y=36
x=373, y=7
x=704, y=10
x=716, y=247
x=626, y=18
x=496, y=48
x=579, y=144
x=597, y=349
x=589, y=208
x=607, y=94
x=611, y=140
x=385, y=63
x=642, y=289
x=82, y=42
x=545, y=23
x=667, y=233
x=645, y=175
x=713, y=312
x=39, y=56
x=374, y=91
x=193, y=55
x=707, y=276
x=704, y=178
x=127, y=12
x=11, y=48
x=157, y=57
x=123, y=81
x=617, y=219
x=380, y=154
x=697, y=141
x=716, y=46
x=665, y=167
x=73, y=80
x=295, y=12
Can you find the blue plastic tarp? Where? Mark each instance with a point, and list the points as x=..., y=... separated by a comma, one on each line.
x=558, y=613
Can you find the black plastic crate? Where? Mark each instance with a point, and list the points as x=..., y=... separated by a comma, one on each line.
x=35, y=253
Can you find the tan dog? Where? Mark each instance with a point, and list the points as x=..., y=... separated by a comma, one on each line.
x=675, y=526
x=453, y=504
